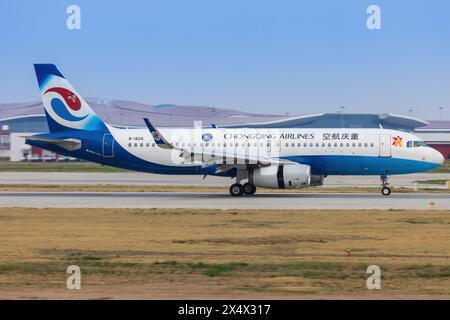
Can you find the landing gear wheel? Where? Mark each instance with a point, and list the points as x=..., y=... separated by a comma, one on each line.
x=249, y=189
x=385, y=191
x=236, y=189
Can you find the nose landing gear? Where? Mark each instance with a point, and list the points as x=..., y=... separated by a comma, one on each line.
x=385, y=190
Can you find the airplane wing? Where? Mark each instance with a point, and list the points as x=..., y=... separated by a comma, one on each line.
x=224, y=159
x=68, y=144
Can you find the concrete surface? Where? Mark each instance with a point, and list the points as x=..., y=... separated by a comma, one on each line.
x=422, y=201
x=136, y=178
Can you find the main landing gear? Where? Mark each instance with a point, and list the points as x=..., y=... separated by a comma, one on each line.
x=385, y=190
x=238, y=189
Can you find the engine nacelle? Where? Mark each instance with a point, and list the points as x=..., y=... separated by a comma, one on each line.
x=281, y=177
x=316, y=180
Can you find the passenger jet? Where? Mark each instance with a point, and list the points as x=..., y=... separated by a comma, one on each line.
x=284, y=158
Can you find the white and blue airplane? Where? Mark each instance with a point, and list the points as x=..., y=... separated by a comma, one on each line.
x=268, y=158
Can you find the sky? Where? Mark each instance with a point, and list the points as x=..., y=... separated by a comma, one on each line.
x=264, y=56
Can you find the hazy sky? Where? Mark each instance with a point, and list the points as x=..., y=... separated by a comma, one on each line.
x=262, y=56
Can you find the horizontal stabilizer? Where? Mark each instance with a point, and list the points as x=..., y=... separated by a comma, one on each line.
x=68, y=144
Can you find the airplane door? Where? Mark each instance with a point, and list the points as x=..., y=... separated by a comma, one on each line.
x=385, y=145
x=108, y=145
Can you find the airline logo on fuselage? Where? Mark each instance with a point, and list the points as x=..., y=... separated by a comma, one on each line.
x=207, y=137
x=397, y=141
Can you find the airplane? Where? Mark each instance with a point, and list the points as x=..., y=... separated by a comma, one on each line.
x=278, y=158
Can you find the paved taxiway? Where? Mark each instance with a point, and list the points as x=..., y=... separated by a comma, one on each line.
x=136, y=178
x=423, y=201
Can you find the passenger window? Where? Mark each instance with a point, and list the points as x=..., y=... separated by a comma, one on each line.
x=129, y=144
x=409, y=144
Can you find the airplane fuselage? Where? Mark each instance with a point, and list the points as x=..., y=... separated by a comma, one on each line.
x=326, y=151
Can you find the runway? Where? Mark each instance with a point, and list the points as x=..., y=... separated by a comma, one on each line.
x=419, y=201
x=136, y=178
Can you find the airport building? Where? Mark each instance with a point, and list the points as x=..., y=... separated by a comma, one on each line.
x=21, y=119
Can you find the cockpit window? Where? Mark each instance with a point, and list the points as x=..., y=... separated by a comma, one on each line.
x=416, y=144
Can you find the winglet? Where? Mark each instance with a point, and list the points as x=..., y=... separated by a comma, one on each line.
x=157, y=136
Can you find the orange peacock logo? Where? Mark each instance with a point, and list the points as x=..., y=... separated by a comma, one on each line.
x=397, y=141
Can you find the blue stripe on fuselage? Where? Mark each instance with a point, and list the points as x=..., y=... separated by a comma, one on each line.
x=361, y=165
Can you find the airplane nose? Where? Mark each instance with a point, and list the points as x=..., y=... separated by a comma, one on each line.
x=438, y=157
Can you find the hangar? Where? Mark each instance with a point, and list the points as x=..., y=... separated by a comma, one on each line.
x=18, y=119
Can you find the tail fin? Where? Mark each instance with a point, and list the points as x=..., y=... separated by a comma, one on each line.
x=64, y=107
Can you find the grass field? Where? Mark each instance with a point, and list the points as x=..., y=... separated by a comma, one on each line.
x=184, y=253
x=93, y=167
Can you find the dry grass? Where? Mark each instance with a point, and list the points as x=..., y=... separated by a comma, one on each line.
x=272, y=253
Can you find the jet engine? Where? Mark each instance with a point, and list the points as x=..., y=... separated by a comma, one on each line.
x=287, y=176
